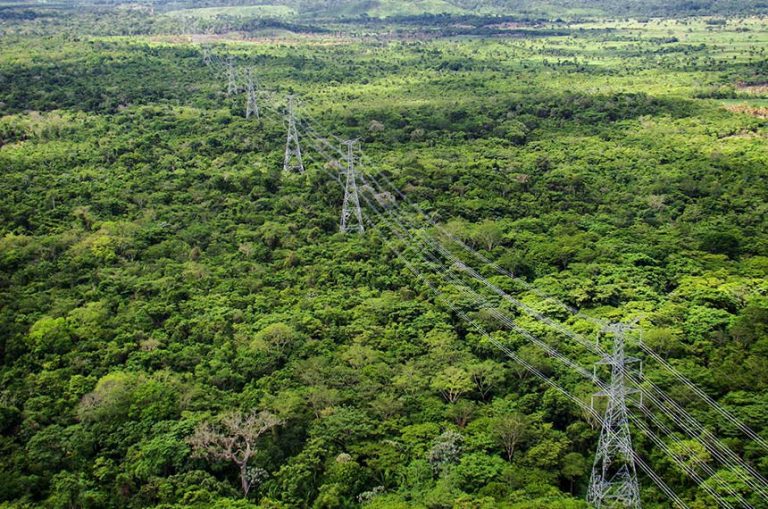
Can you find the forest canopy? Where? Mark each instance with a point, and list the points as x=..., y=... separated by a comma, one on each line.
x=182, y=324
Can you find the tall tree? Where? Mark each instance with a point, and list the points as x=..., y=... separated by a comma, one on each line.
x=233, y=438
x=510, y=430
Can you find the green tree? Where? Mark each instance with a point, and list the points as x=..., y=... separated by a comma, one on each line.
x=276, y=338
x=111, y=399
x=511, y=430
x=49, y=335
x=476, y=470
x=574, y=467
x=486, y=375
x=452, y=383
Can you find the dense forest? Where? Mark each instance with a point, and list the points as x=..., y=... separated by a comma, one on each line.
x=182, y=324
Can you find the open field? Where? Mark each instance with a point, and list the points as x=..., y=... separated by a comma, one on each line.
x=250, y=11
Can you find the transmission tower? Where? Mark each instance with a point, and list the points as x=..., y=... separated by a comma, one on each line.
x=206, y=55
x=251, y=105
x=231, y=77
x=351, y=199
x=292, y=161
x=613, y=483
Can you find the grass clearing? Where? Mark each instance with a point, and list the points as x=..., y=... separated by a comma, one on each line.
x=245, y=11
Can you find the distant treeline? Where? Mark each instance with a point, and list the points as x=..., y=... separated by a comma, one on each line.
x=549, y=9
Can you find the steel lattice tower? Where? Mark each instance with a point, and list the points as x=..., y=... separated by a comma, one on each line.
x=351, y=199
x=613, y=483
x=292, y=161
x=206, y=55
x=251, y=105
x=231, y=77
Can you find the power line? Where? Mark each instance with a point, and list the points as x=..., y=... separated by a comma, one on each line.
x=494, y=313
x=655, y=478
x=538, y=316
